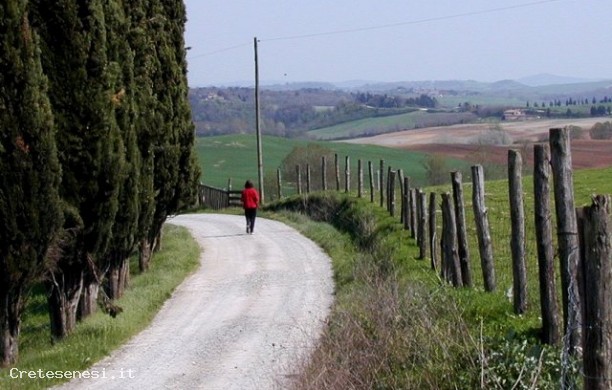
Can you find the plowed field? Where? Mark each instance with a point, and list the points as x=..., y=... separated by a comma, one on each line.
x=465, y=141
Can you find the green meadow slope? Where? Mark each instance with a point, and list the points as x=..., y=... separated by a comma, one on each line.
x=235, y=157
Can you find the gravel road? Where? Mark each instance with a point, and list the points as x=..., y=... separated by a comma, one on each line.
x=246, y=319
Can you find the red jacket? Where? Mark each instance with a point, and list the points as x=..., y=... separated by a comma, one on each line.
x=250, y=198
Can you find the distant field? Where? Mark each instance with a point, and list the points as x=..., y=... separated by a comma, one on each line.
x=235, y=156
x=461, y=141
x=386, y=124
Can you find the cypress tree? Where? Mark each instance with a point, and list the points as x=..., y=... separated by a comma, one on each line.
x=82, y=93
x=126, y=222
x=170, y=117
x=189, y=172
x=143, y=16
x=163, y=132
x=30, y=212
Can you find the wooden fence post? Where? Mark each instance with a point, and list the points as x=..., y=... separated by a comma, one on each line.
x=226, y=202
x=389, y=188
x=423, y=230
x=279, y=183
x=567, y=232
x=464, y=254
x=371, y=173
x=359, y=179
x=485, y=246
x=323, y=173
x=597, y=240
x=433, y=248
x=450, y=255
x=347, y=174
x=413, y=213
x=406, y=202
x=541, y=184
x=517, y=239
x=298, y=180
x=400, y=180
x=381, y=180
x=337, y=167
x=391, y=192
x=308, y=179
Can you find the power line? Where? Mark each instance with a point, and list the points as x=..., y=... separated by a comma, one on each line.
x=419, y=21
x=220, y=51
x=384, y=26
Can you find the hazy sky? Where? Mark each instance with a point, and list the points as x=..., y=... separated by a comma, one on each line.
x=397, y=40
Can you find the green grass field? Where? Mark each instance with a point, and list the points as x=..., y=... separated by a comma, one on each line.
x=386, y=124
x=369, y=125
x=235, y=157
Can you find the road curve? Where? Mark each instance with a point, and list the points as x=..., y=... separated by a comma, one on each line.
x=245, y=320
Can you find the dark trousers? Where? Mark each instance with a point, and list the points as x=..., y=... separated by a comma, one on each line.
x=250, y=215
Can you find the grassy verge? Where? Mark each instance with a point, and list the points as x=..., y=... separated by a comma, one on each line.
x=100, y=334
x=396, y=325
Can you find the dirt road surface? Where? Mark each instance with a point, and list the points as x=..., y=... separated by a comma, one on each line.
x=246, y=319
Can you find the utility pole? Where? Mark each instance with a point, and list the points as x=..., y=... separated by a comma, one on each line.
x=258, y=127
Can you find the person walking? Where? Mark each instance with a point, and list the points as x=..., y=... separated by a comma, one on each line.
x=250, y=202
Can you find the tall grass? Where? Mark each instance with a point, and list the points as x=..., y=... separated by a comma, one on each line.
x=100, y=334
x=392, y=325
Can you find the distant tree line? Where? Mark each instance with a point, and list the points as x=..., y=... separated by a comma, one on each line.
x=386, y=101
x=291, y=113
x=96, y=150
x=598, y=107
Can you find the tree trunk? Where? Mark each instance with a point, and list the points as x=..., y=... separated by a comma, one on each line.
x=10, y=324
x=117, y=278
x=144, y=258
x=88, y=302
x=63, y=294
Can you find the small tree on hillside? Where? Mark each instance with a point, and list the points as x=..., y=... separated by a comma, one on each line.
x=436, y=169
x=310, y=154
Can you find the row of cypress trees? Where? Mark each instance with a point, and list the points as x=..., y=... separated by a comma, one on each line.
x=96, y=149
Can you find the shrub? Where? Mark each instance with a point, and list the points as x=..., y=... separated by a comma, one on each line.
x=602, y=130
